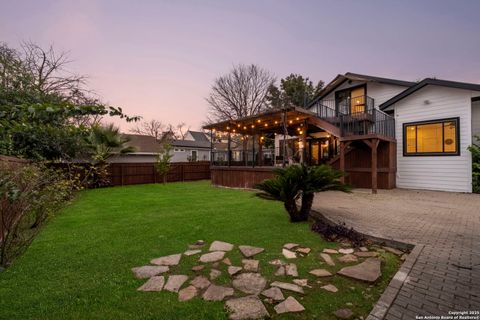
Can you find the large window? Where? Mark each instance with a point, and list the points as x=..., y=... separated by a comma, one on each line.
x=436, y=137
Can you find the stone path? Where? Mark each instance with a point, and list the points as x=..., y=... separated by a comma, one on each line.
x=446, y=275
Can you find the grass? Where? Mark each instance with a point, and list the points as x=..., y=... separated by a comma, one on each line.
x=79, y=265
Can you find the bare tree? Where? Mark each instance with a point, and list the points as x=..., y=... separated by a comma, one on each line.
x=181, y=130
x=240, y=93
x=153, y=128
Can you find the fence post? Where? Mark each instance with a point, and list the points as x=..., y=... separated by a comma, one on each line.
x=121, y=174
x=154, y=174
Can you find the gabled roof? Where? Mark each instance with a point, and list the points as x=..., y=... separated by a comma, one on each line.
x=198, y=135
x=341, y=78
x=143, y=143
x=426, y=82
x=191, y=144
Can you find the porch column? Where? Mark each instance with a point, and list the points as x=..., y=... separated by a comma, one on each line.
x=244, y=147
x=303, y=144
x=285, y=132
x=254, y=137
x=374, y=146
x=211, y=147
x=229, y=152
x=260, y=151
x=342, y=160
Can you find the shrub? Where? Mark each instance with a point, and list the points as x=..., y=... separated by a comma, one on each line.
x=29, y=195
x=475, y=150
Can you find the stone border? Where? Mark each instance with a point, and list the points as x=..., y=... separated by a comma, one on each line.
x=383, y=304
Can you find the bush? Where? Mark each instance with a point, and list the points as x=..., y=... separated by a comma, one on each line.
x=29, y=195
x=475, y=150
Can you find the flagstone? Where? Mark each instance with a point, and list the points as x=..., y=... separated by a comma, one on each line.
x=171, y=260
x=291, y=270
x=289, y=305
x=244, y=308
x=250, y=265
x=330, y=251
x=328, y=260
x=320, y=273
x=227, y=261
x=148, y=271
x=290, y=246
x=369, y=270
x=217, y=293
x=200, y=282
x=197, y=245
x=393, y=250
x=366, y=254
x=155, y=283
x=276, y=262
x=287, y=286
x=346, y=250
x=187, y=293
x=363, y=249
x=250, y=283
x=280, y=271
x=220, y=246
x=303, y=250
x=233, y=270
x=192, y=252
x=198, y=268
x=274, y=293
x=301, y=282
x=175, y=282
x=249, y=251
x=214, y=274
x=289, y=254
x=330, y=287
x=348, y=258
x=212, y=256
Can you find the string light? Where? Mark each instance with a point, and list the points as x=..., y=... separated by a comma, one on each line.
x=244, y=128
x=298, y=118
x=276, y=122
x=291, y=121
x=238, y=125
x=301, y=132
x=266, y=124
x=259, y=120
x=253, y=126
x=228, y=128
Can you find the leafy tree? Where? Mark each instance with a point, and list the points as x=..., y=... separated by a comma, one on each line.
x=162, y=164
x=299, y=183
x=294, y=90
x=475, y=150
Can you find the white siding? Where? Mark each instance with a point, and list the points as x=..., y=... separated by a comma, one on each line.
x=182, y=156
x=345, y=85
x=447, y=173
x=382, y=92
x=133, y=158
x=476, y=118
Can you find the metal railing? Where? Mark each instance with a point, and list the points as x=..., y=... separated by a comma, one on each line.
x=243, y=158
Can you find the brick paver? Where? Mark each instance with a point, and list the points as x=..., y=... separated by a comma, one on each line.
x=446, y=275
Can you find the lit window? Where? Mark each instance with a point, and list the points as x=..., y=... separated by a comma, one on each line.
x=438, y=137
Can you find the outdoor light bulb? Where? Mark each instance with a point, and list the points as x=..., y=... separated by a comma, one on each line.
x=253, y=126
x=238, y=125
x=301, y=132
x=266, y=124
x=276, y=121
x=328, y=136
x=213, y=130
x=298, y=118
x=291, y=121
x=259, y=120
x=228, y=128
x=261, y=138
x=298, y=129
x=244, y=128
x=233, y=130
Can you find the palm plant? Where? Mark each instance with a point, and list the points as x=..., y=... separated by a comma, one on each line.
x=300, y=183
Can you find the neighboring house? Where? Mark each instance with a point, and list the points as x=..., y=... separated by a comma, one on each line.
x=195, y=147
x=146, y=150
x=434, y=124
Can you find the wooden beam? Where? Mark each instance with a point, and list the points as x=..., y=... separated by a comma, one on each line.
x=342, y=160
x=374, y=145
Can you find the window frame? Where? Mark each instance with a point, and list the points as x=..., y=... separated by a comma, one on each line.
x=427, y=154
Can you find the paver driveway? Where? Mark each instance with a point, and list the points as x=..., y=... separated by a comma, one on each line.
x=446, y=275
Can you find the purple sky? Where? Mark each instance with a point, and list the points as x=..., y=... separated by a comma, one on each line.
x=158, y=59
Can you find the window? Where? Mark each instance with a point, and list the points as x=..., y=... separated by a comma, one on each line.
x=194, y=155
x=436, y=137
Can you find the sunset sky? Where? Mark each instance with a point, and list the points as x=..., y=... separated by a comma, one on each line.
x=158, y=59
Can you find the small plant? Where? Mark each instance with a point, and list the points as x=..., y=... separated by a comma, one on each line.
x=299, y=183
x=163, y=161
x=475, y=150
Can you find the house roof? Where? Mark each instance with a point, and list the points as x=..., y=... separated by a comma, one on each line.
x=143, y=143
x=426, y=82
x=198, y=135
x=191, y=144
x=341, y=78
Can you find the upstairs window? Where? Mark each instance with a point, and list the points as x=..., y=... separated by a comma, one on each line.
x=436, y=137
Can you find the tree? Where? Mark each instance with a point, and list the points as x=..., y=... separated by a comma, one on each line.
x=240, y=93
x=102, y=143
x=152, y=128
x=300, y=182
x=294, y=90
x=475, y=151
x=162, y=165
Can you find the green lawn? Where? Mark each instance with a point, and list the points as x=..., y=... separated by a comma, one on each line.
x=79, y=265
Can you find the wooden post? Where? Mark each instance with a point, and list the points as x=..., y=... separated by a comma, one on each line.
x=121, y=174
x=154, y=174
x=342, y=160
x=254, y=137
x=229, y=152
x=260, y=151
x=374, y=146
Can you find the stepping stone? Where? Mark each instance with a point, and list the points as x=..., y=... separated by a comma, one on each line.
x=404, y=257
x=200, y=282
x=369, y=270
x=212, y=256
x=363, y=249
x=346, y=251
x=220, y=246
x=171, y=260
x=276, y=262
x=348, y=258
x=343, y=313
x=330, y=287
x=320, y=273
x=328, y=260
x=366, y=254
x=217, y=293
x=393, y=250
x=187, y=293
x=198, y=268
x=289, y=254
x=249, y=251
x=216, y=264
x=330, y=251
x=175, y=282
x=289, y=305
x=290, y=246
x=246, y=308
x=303, y=250
x=280, y=271
x=250, y=283
x=148, y=271
x=250, y=265
x=214, y=274
x=301, y=282
x=274, y=293
x=153, y=284
x=197, y=245
x=287, y=286
x=227, y=261
x=291, y=270
x=191, y=252
x=232, y=270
